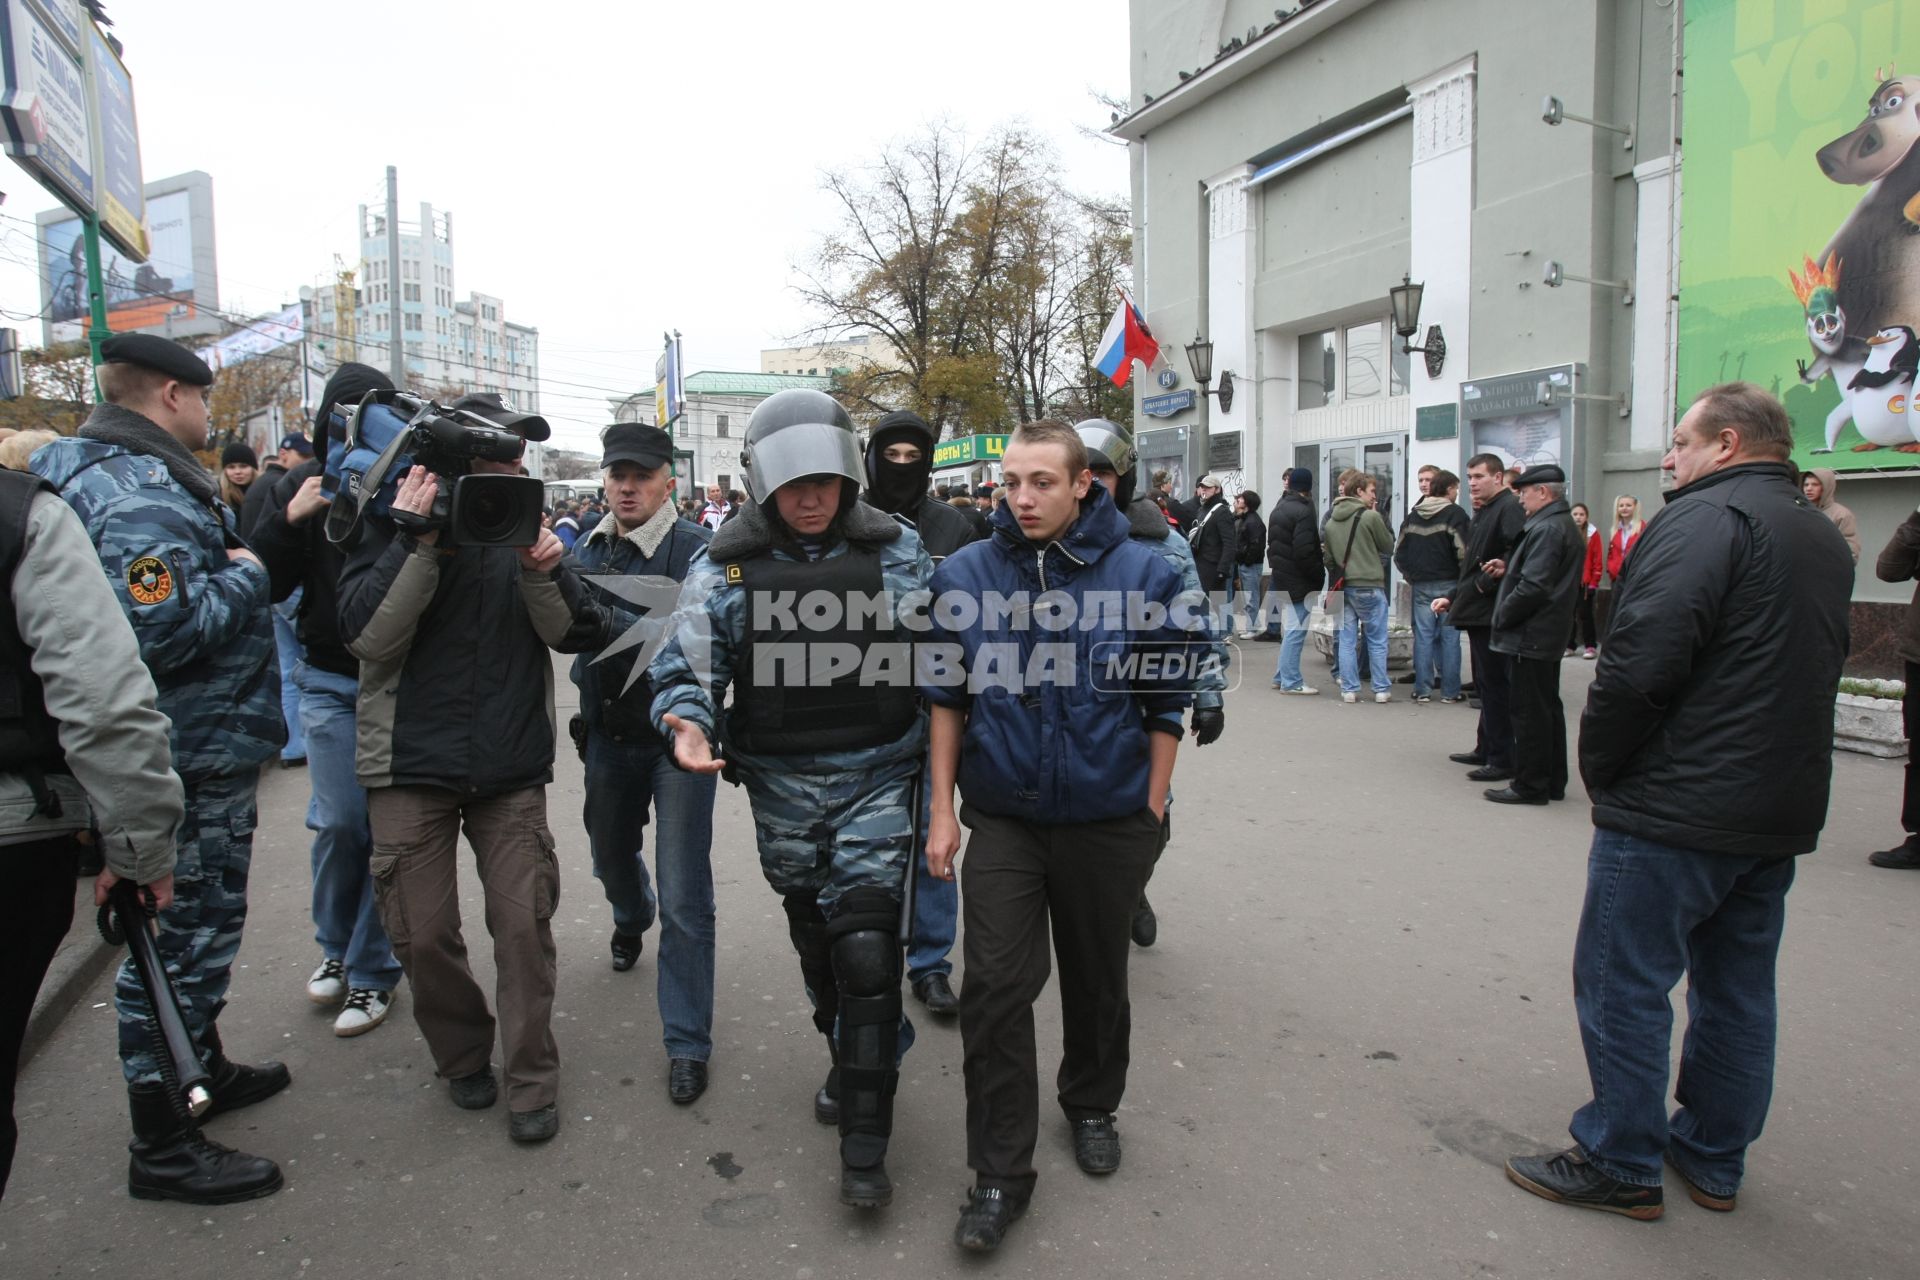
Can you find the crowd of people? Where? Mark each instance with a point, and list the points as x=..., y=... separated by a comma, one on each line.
x=835, y=641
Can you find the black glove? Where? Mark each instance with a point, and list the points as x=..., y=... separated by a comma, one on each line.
x=577, y=730
x=1208, y=724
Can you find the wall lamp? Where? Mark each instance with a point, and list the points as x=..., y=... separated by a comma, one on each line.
x=1553, y=275
x=1405, y=298
x=1553, y=111
x=1200, y=360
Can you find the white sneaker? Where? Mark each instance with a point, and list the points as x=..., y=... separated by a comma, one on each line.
x=1249, y=635
x=328, y=983
x=1383, y=697
x=1349, y=697
x=1299, y=690
x=365, y=1009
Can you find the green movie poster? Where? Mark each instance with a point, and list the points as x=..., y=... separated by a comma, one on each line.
x=1800, y=220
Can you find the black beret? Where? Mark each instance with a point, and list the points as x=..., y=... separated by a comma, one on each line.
x=635, y=442
x=1546, y=473
x=158, y=354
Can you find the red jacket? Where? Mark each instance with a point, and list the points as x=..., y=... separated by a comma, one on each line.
x=1596, y=561
x=1618, y=548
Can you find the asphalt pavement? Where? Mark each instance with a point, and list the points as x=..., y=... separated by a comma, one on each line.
x=1359, y=1005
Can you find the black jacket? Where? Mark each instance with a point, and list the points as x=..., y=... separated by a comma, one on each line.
x=943, y=527
x=1533, y=614
x=456, y=682
x=1214, y=542
x=300, y=556
x=1293, y=547
x=254, y=507
x=1709, y=724
x=1494, y=535
x=1432, y=544
x=1252, y=531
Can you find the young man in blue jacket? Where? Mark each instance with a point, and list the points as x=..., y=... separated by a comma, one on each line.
x=1062, y=740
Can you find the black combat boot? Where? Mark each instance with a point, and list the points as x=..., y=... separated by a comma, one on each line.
x=172, y=1160
x=826, y=1103
x=236, y=1085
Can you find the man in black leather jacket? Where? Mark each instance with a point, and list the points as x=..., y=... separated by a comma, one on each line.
x=1539, y=587
x=1707, y=746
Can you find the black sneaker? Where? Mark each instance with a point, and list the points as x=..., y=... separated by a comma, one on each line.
x=626, y=948
x=1146, y=925
x=1096, y=1145
x=536, y=1125
x=1902, y=857
x=474, y=1092
x=1566, y=1177
x=985, y=1217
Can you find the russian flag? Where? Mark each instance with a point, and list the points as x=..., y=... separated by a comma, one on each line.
x=1127, y=339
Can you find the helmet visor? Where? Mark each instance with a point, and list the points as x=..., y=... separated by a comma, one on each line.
x=804, y=449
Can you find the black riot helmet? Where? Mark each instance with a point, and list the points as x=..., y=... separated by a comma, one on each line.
x=1110, y=448
x=899, y=487
x=798, y=433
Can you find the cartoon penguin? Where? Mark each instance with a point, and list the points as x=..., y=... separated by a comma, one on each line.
x=1880, y=393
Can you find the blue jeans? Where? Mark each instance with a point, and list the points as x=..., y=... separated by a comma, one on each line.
x=1366, y=605
x=936, y=909
x=622, y=780
x=1246, y=584
x=1434, y=642
x=1653, y=913
x=1293, y=622
x=346, y=916
x=287, y=647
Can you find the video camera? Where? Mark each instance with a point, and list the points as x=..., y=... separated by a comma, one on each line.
x=371, y=445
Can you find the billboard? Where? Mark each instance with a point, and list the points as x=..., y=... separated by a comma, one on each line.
x=168, y=294
x=1800, y=232
x=120, y=199
x=284, y=328
x=44, y=105
x=669, y=386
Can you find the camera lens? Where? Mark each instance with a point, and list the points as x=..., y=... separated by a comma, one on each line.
x=491, y=515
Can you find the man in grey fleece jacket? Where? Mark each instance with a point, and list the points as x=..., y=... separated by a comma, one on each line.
x=85, y=748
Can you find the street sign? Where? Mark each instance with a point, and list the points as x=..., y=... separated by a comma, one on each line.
x=1167, y=379
x=44, y=106
x=1167, y=405
x=965, y=450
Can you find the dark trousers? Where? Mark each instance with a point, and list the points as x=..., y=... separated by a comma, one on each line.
x=1539, y=728
x=34, y=915
x=1586, y=627
x=1019, y=878
x=1910, y=797
x=1492, y=673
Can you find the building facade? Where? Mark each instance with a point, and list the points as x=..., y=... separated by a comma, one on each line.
x=713, y=421
x=1290, y=167
x=823, y=360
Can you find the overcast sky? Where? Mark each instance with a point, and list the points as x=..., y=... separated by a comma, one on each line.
x=613, y=170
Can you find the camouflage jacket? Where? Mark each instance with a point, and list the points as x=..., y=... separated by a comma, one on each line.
x=202, y=620
x=693, y=669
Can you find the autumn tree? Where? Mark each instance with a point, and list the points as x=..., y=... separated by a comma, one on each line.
x=56, y=390
x=247, y=388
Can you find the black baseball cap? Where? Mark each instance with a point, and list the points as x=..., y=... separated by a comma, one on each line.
x=635, y=442
x=490, y=406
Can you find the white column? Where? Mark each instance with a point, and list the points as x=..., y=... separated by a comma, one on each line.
x=1656, y=278
x=1230, y=267
x=1441, y=255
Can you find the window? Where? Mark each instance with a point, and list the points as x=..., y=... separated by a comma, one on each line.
x=1319, y=372
x=720, y=424
x=726, y=482
x=1359, y=362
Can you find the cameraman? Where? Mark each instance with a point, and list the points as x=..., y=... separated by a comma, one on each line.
x=455, y=725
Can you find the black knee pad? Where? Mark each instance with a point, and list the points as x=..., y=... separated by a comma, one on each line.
x=866, y=962
x=807, y=927
x=867, y=969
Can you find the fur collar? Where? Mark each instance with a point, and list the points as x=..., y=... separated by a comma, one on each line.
x=137, y=433
x=647, y=537
x=751, y=533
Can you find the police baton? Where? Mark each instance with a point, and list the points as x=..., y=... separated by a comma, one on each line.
x=915, y=853
x=126, y=919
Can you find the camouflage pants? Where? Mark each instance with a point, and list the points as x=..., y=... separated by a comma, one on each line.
x=831, y=833
x=199, y=935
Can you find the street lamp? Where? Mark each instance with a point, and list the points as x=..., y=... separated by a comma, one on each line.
x=1405, y=298
x=1200, y=360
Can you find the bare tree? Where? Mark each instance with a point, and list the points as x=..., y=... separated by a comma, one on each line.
x=56, y=389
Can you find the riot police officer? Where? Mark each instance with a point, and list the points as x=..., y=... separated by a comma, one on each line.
x=802, y=603
x=197, y=598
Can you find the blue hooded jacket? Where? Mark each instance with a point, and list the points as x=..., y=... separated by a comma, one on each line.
x=1057, y=721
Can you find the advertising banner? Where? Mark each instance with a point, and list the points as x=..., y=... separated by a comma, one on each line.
x=44, y=106
x=269, y=333
x=120, y=196
x=967, y=450
x=669, y=387
x=140, y=295
x=1800, y=219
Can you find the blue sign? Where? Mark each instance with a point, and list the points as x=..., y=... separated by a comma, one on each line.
x=1168, y=405
x=44, y=107
x=121, y=201
x=1167, y=379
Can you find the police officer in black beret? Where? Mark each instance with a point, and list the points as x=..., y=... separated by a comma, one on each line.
x=1539, y=588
